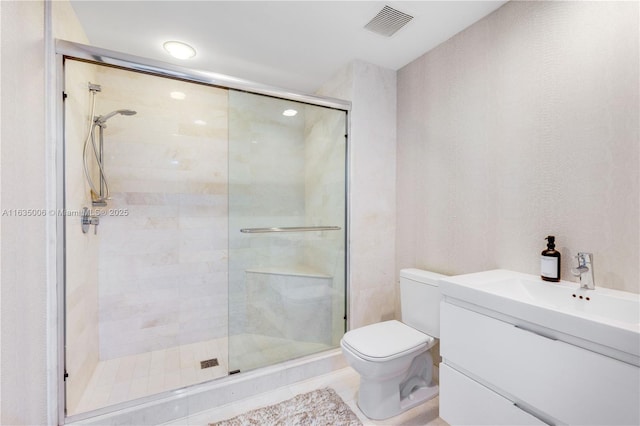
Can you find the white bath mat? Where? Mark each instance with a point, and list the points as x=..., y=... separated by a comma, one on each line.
x=321, y=407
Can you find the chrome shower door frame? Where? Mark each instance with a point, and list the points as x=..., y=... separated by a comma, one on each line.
x=65, y=49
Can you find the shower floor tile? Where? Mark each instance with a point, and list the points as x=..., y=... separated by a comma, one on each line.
x=135, y=376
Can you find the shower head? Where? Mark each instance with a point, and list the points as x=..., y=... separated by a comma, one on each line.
x=100, y=120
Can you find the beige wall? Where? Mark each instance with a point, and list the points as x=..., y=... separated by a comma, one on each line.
x=23, y=374
x=23, y=361
x=524, y=125
x=372, y=91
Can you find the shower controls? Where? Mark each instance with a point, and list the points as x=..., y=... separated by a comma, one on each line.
x=87, y=219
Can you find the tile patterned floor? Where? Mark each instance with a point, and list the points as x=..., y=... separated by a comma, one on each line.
x=130, y=377
x=135, y=376
x=344, y=381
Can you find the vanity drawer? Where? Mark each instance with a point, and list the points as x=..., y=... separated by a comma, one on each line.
x=466, y=402
x=565, y=382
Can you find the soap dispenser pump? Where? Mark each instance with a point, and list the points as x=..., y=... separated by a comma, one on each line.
x=550, y=261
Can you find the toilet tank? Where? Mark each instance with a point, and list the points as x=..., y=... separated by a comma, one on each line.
x=420, y=300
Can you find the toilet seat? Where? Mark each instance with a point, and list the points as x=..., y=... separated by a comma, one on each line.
x=386, y=340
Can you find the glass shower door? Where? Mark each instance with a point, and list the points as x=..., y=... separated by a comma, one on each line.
x=287, y=210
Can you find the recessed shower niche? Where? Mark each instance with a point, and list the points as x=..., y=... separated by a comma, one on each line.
x=222, y=238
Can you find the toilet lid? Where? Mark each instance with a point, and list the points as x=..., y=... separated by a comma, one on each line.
x=385, y=339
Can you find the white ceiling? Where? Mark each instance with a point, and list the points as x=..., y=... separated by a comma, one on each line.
x=295, y=45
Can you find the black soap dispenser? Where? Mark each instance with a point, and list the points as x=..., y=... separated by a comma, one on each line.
x=550, y=261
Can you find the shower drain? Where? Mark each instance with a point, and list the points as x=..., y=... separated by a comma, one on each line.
x=209, y=363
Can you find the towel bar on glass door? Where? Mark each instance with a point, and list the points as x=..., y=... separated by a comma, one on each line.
x=290, y=229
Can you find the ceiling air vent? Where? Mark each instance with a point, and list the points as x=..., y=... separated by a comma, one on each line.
x=388, y=21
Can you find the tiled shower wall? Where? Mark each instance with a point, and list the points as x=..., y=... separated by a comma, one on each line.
x=266, y=190
x=325, y=187
x=285, y=171
x=163, y=247
x=163, y=240
x=372, y=189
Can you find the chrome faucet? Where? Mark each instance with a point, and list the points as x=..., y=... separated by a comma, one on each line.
x=584, y=271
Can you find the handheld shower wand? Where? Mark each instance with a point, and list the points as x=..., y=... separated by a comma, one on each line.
x=100, y=120
x=101, y=195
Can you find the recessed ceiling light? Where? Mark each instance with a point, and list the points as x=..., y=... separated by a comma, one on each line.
x=179, y=50
x=178, y=95
x=289, y=112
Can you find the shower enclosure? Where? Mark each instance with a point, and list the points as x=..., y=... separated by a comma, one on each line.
x=221, y=247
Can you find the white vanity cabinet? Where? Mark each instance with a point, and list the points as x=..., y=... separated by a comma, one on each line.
x=463, y=401
x=497, y=370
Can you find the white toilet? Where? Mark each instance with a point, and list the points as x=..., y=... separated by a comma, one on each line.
x=393, y=357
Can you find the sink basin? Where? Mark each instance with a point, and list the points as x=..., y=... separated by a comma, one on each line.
x=608, y=320
x=606, y=305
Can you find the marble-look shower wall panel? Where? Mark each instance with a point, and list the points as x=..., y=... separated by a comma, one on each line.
x=325, y=152
x=266, y=189
x=163, y=253
x=325, y=186
x=372, y=215
x=285, y=303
